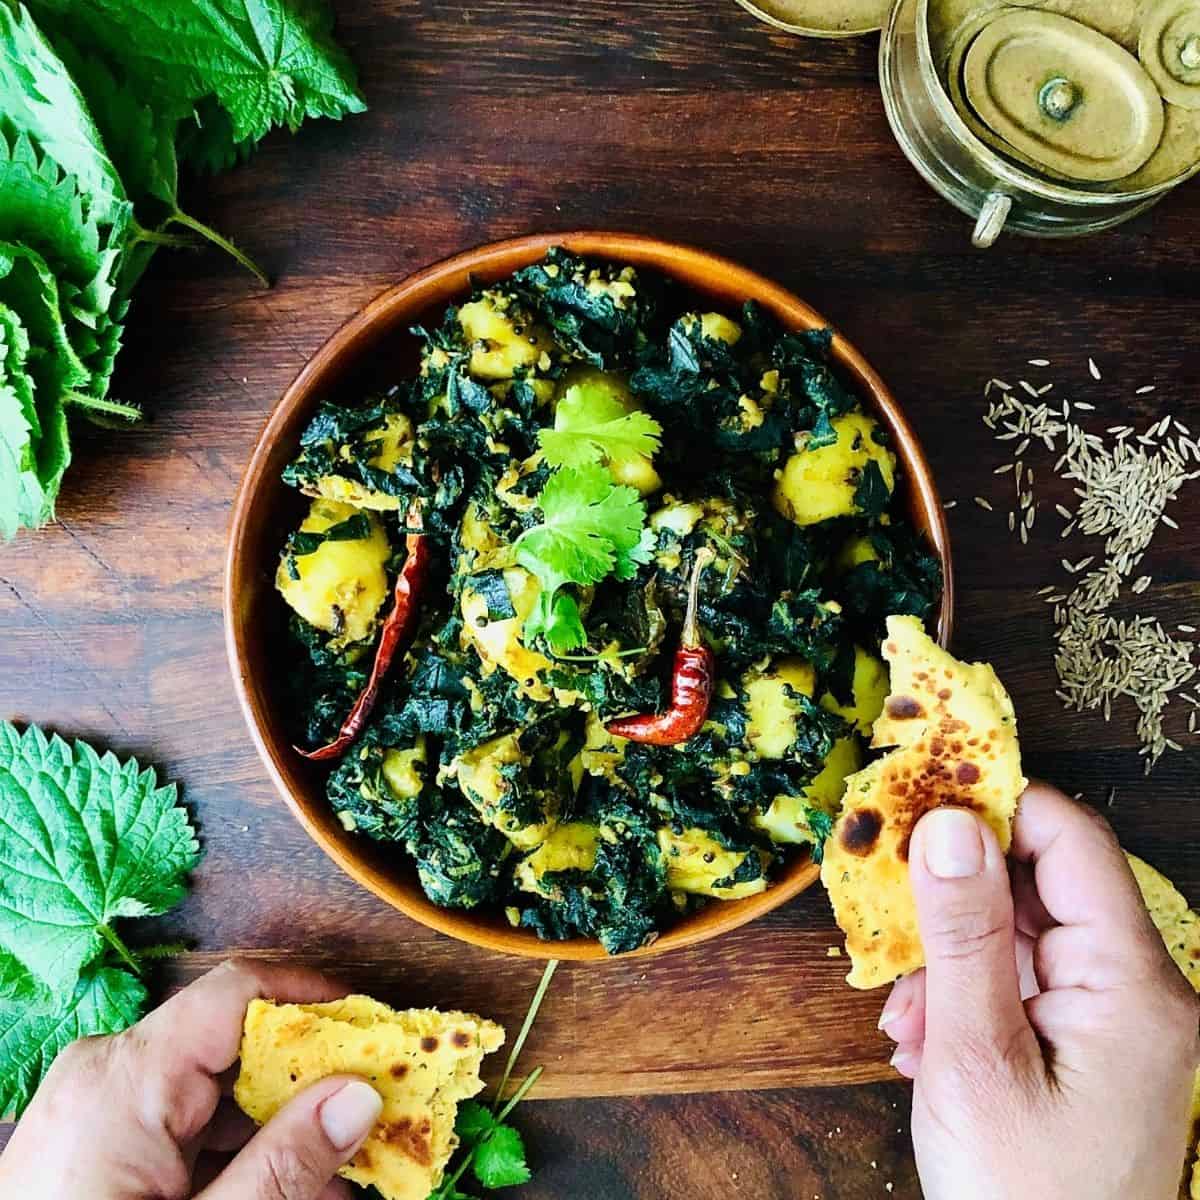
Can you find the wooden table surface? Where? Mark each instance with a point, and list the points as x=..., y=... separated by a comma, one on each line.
x=687, y=119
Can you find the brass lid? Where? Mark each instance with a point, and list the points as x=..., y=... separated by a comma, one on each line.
x=821, y=18
x=1169, y=48
x=1062, y=96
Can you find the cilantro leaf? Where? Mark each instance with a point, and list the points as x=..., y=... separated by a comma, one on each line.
x=84, y=841
x=592, y=425
x=499, y=1159
x=35, y=1028
x=473, y=1123
x=591, y=528
x=264, y=62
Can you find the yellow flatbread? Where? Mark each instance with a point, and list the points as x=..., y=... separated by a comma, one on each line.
x=955, y=734
x=1180, y=929
x=422, y=1062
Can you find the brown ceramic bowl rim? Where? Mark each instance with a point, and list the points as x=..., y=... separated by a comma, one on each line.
x=490, y=261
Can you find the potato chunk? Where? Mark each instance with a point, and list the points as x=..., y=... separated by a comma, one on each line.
x=342, y=584
x=392, y=445
x=570, y=847
x=498, y=643
x=786, y=820
x=771, y=712
x=486, y=778
x=819, y=484
x=869, y=685
x=696, y=863
x=502, y=340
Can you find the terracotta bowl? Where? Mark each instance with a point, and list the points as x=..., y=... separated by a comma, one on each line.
x=373, y=349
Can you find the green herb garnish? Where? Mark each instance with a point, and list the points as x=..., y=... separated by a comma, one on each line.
x=591, y=528
x=491, y=1148
x=591, y=425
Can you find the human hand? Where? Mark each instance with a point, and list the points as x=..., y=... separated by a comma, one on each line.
x=141, y=1115
x=1051, y=1040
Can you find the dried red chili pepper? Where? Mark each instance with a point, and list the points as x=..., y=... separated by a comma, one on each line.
x=691, y=682
x=397, y=629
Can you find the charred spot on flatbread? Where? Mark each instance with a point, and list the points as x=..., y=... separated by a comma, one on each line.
x=286, y=1047
x=955, y=738
x=860, y=831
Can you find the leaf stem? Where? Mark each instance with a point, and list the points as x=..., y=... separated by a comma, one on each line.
x=520, y=1093
x=205, y=231
x=96, y=404
x=110, y=936
x=156, y=237
x=161, y=951
x=530, y=1017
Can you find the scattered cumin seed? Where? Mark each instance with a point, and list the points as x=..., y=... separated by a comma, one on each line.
x=1093, y=369
x=984, y=504
x=1144, y=391
x=1186, y=628
x=1012, y=521
x=1039, y=362
x=1028, y=387
x=1085, y=406
x=1003, y=469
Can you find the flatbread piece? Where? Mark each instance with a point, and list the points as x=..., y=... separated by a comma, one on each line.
x=1180, y=929
x=955, y=736
x=422, y=1062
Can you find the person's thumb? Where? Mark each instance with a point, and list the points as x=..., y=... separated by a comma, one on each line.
x=960, y=882
x=300, y=1149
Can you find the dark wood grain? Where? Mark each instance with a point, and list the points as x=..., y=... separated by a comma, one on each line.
x=685, y=119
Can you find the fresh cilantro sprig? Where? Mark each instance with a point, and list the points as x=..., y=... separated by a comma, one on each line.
x=591, y=425
x=85, y=843
x=489, y=1147
x=591, y=528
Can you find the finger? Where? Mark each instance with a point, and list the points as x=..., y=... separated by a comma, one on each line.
x=179, y=1050
x=903, y=1016
x=212, y=1009
x=1080, y=871
x=907, y=1060
x=965, y=913
x=210, y=1166
x=296, y=1154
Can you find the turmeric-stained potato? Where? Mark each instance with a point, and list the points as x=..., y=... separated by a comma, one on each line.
x=869, y=686
x=391, y=445
x=570, y=847
x=491, y=776
x=787, y=819
x=503, y=338
x=771, y=710
x=698, y=864
x=498, y=642
x=816, y=485
x=342, y=584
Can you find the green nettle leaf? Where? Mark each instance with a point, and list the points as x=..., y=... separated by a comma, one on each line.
x=22, y=497
x=265, y=62
x=39, y=98
x=141, y=142
x=35, y=1029
x=85, y=840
